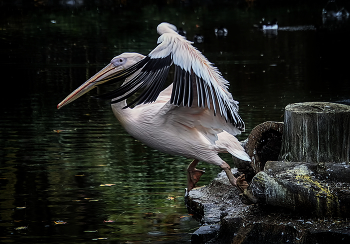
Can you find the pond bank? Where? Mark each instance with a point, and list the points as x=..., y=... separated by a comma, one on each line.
x=225, y=219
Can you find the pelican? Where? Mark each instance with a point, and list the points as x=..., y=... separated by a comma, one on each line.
x=195, y=116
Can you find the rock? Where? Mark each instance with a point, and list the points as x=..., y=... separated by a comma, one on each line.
x=219, y=205
x=219, y=197
x=211, y=203
x=320, y=190
x=205, y=233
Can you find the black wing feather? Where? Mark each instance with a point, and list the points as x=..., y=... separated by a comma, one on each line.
x=175, y=86
x=185, y=89
x=153, y=71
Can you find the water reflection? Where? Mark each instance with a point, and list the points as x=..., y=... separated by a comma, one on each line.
x=75, y=175
x=72, y=3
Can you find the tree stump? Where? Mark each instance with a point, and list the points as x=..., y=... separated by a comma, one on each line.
x=264, y=144
x=316, y=132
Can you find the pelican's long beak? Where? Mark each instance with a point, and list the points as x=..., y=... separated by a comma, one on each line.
x=101, y=77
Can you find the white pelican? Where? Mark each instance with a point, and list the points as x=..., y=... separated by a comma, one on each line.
x=195, y=117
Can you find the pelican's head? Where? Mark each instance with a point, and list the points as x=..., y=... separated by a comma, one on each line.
x=111, y=71
x=164, y=27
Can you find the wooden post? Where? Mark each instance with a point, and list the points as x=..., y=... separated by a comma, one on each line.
x=316, y=132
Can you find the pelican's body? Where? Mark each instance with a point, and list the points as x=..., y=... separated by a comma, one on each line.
x=181, y=131
x=195, y=117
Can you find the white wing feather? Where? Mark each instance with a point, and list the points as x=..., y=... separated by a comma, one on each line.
x=189, y=59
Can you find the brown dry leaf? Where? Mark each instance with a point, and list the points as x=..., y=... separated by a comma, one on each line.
x=60, y=222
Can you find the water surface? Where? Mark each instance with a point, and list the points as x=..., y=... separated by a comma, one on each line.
x=74, y=175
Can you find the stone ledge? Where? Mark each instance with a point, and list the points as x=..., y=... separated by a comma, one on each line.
x=225, y=219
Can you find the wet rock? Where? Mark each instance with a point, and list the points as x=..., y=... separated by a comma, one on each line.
x=326, y=237
x=205, y=233
x=212, y=203
x=306, y=188
x=219, y=205
x=267, y=233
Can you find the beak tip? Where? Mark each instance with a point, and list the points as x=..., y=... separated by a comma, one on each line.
x=100, y=77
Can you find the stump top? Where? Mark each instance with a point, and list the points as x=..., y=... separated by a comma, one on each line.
x=318, y=107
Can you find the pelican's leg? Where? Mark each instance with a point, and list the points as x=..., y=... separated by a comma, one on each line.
x=193, y=175
x=239, y=182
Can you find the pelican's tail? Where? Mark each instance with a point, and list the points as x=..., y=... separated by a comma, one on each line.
x=241, y=155
x=231, y=144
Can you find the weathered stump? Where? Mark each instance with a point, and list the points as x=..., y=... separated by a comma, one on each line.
x=316, y=132
x=264, y=144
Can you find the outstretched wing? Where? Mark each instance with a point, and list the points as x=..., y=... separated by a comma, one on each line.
x=194, y=77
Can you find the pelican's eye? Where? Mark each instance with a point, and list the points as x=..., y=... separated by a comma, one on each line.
x=117, y=61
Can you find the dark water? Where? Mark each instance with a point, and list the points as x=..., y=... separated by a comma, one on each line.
x=74, y=175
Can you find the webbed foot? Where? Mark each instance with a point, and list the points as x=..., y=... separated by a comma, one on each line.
x=193, y=175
